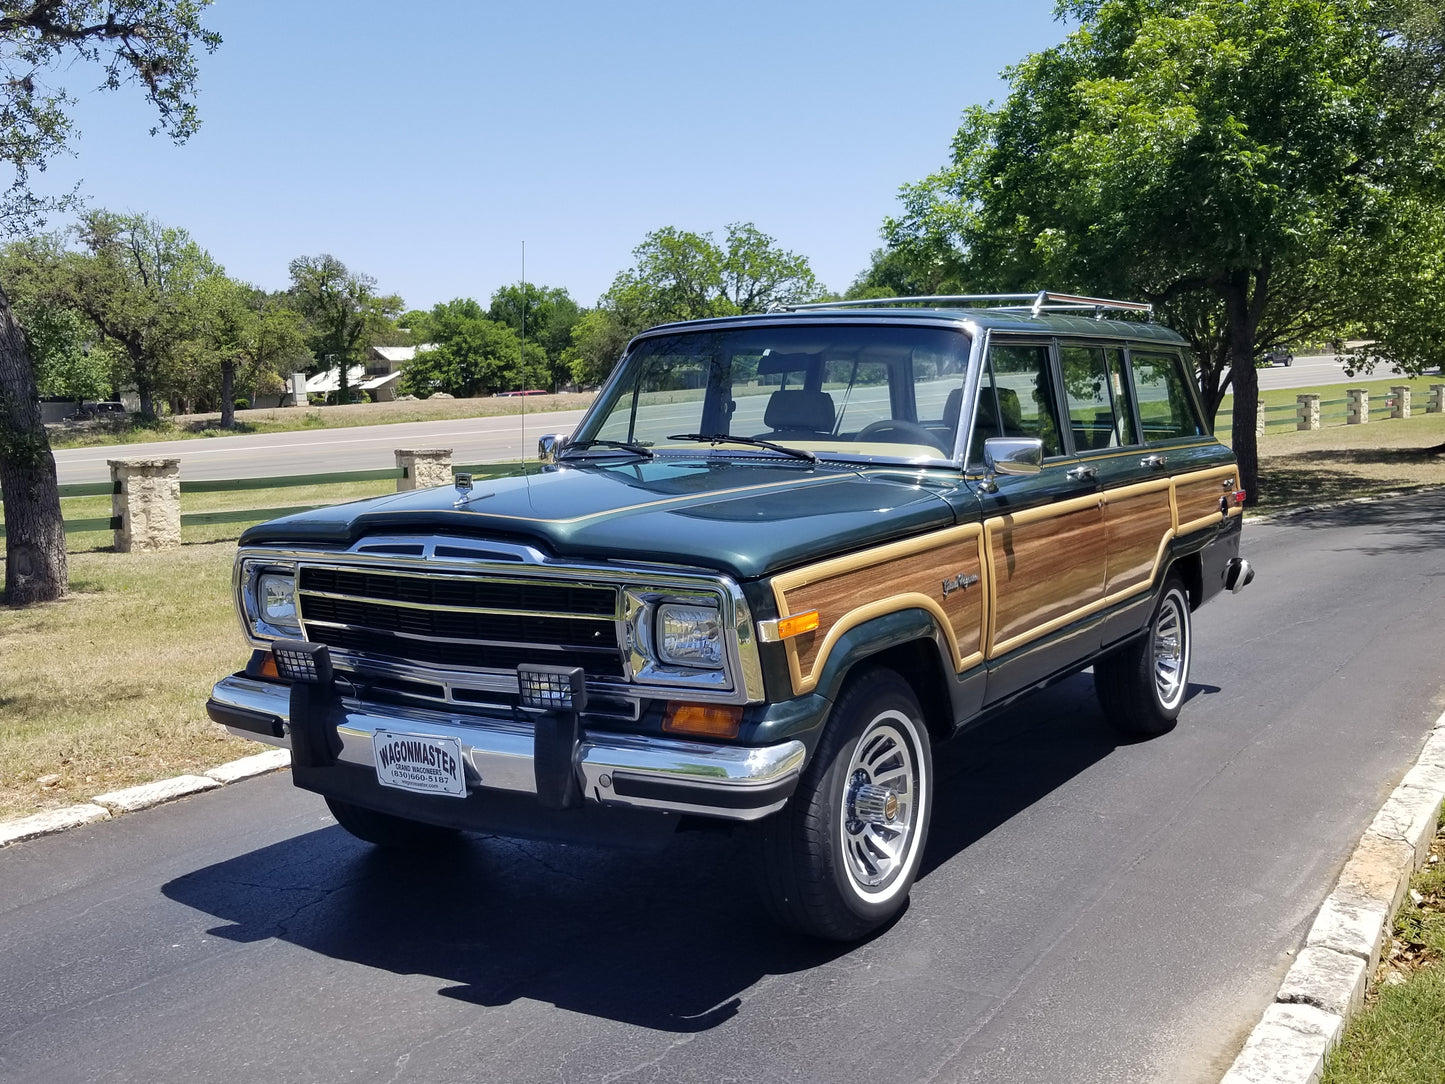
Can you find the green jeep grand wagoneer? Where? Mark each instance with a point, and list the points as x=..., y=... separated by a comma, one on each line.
x=779, y=559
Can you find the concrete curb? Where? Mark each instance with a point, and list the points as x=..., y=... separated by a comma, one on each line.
x=1327, y=982
x=105, y=806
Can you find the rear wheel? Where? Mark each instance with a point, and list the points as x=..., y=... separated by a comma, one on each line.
x=389, y=831
x=1142, y=685
x=840, y=858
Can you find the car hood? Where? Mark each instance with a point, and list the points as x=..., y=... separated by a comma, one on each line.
x=748, y=518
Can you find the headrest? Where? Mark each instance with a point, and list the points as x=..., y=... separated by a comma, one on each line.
x=811, y=411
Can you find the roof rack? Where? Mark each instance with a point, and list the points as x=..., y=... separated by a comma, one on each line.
x=1034, y=304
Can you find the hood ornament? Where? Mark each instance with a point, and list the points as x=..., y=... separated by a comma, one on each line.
x=464, y=490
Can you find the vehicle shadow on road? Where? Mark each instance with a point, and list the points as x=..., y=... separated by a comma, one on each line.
x=1003, y=765
x=667, y=940
x=670, y=939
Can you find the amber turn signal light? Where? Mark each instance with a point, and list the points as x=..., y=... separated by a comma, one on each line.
x=703, y=720
x=262, y=664
x=797, y=624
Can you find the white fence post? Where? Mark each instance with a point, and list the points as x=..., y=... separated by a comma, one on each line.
x=423, y=467
x=1308, y=411
x=1359, y=405
x=147, y=499
x=1401, y=409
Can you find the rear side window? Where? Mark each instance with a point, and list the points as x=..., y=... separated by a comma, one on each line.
x=1166, y=409
x=1092, y=390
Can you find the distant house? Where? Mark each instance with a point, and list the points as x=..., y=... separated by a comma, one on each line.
x=378, y=376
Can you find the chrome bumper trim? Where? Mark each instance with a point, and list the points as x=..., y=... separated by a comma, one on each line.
x=729, y=781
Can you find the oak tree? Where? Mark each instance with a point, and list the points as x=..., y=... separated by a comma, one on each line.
x=345, y=309
x=681, y=275
x=1216, y=157
x=152, y=43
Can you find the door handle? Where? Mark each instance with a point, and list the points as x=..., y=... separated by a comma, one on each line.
x=1083, y=474
x=1154, y=461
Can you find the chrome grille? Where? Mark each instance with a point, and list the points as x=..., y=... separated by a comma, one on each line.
x=461, y=622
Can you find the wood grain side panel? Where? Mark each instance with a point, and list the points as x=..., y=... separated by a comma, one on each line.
x=860, y=587
x=1138, y=519
x=1197, y=495
x=1045, y=565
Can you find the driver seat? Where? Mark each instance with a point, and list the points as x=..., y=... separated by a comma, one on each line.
x=796, y=412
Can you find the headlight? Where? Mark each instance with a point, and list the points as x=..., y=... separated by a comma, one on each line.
x=276, y=599
x=268, y=599
x=690, y=635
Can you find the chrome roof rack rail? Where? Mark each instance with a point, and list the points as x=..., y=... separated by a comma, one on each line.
x=1034, y=304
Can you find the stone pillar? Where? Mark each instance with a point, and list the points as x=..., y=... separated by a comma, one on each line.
x=1259, y=419
x=1436, y=403
x=1308, y=411
x=296, y=389
x=1359, y=405
x=1401, y=409
x=147, y=499
x=424, y=467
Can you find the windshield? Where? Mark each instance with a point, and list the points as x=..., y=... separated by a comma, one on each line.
x=833, y=391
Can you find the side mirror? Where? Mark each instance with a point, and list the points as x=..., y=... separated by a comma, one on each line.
x=550, y=447
x=1011, y=455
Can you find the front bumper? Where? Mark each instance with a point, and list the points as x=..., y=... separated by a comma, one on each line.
x=740, y=783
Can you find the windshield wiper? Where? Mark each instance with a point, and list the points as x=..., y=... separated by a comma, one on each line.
x=725, y=438
x=620, y=445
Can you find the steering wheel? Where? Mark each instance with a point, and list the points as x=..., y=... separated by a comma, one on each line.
x=906, y=433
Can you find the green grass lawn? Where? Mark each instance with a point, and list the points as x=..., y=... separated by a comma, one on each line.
x=1399, y=1038
x=107, y=688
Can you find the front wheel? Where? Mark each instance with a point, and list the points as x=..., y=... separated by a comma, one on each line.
x=840, y=858
x=1142, y=685
x=388, y=831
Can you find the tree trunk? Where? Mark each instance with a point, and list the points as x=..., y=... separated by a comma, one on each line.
x=35, y=560
x=228, y=392
x=143, y=386
x=1239, y=339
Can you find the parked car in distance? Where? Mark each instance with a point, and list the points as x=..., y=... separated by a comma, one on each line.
x=781, y=557
x=1279, y=356
x=100, y=410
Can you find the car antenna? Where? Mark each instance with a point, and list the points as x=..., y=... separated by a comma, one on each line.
x=522, y=374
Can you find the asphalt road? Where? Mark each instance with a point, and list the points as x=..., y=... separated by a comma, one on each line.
x=1089, y=911
x=325, y=451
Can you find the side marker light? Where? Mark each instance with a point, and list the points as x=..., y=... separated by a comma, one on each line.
x=703, y=720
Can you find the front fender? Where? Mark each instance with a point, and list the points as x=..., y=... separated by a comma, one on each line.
x=877, y=636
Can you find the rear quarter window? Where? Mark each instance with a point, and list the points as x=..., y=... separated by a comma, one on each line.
x=1167, y=410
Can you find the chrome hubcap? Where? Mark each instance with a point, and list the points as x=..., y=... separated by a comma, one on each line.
x=873, y=804
x=1171, y=650
x=880, y=806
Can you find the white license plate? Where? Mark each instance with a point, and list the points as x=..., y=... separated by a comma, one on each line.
x=419, y=763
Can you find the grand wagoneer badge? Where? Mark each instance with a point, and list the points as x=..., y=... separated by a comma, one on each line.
x=958, y=583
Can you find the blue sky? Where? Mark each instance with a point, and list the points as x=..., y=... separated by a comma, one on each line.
x=423, y=143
